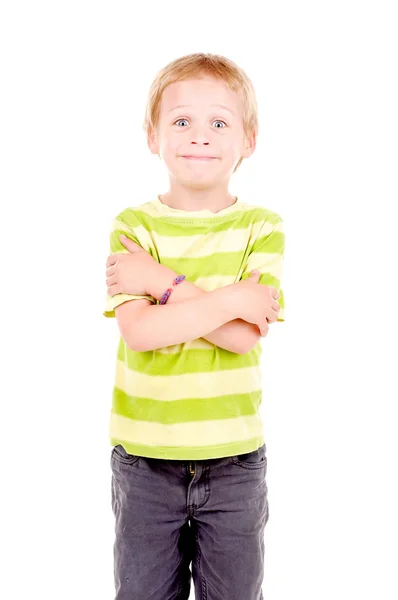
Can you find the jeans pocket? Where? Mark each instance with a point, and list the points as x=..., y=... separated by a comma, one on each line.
x=256, y=459
x=121, y=455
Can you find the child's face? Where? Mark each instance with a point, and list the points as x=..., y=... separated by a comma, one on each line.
x=199, y=128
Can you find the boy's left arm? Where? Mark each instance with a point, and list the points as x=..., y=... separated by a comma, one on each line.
x=237, y=336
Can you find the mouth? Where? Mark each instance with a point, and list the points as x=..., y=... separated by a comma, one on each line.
x=191, y=157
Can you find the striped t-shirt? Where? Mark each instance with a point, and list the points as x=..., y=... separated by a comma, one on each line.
x=194, y=400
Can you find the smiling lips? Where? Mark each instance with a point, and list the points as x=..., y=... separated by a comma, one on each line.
x=192, y=157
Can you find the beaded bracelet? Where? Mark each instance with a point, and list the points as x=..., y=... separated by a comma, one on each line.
x=167, y=293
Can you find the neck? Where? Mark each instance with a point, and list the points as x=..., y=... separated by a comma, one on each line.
x=188, y=199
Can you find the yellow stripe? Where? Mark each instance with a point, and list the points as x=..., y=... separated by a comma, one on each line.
x=198, y=344
x=198, y=246
x=189, y=385
x=195, y=433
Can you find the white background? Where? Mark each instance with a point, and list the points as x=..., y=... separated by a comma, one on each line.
x=75, y=77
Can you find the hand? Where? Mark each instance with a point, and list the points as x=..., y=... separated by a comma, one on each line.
x=127, y=273
x=258, y=302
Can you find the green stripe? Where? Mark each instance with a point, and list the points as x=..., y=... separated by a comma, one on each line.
x=185, y=409
x=273, y=242
x=218, y=263
x=192, y=360
x=133, y=217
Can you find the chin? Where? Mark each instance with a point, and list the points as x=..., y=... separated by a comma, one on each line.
x=194, y=177
x=195, y=183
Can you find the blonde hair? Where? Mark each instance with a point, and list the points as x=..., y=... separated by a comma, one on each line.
x=196, y=65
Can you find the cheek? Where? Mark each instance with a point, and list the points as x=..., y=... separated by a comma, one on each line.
x=229, y=147
x=171, y=143
x=174, y=143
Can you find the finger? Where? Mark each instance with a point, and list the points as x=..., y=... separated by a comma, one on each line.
x=275, y=294
x=111, y=260
x=127, y=243
x=110, y=271
x=272, y=316
x=111, y=280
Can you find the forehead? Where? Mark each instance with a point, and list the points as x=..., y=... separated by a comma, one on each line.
x=199, y=93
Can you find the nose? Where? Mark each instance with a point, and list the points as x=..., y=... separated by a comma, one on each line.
x=200, y=142
x=198, y=137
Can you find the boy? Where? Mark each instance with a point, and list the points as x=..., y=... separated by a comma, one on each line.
x=189, y=459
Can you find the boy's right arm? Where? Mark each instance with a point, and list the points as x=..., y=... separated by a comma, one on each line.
x=158, y=326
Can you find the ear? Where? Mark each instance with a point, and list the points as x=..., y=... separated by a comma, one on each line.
x=152, y=141
x=250, y=145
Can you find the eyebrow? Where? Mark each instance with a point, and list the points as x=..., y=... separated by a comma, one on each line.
x=187, y=105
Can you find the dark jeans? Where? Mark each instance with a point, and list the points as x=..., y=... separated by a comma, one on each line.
x=167, y=517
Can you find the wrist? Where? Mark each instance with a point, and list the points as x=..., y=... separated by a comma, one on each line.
x=230, y=296
x=161, y=279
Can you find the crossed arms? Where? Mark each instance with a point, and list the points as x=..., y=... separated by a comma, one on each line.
x=190, y=313
x=214, y=315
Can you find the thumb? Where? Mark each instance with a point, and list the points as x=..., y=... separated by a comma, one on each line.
x=129, y=244
x=255, y=273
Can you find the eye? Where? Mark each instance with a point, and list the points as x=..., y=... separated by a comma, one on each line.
x=218, y=121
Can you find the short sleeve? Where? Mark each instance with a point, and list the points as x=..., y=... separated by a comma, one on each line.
x=267, y=256
x=119, y=226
